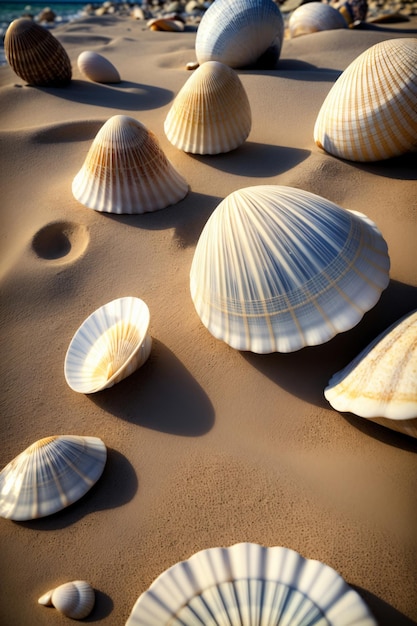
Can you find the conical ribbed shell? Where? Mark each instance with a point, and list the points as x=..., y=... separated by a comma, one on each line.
x=239, y=32
x=35, y=55
x=370, y=113
x=126, y=171
x=109, y=345
x=314, y=17
x=381, y=382
x=97, y=68
x=211, y=113
x=250, y=585
x=277, y=269
x=74, y=599
x=49, y=475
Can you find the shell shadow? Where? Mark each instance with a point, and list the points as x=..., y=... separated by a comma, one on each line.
x=117, y=485
x=384, y=613
x=103, y=606
x=400, y=168
x=161, y=395
x=295, y=69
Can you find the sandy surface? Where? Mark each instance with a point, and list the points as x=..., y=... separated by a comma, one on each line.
x=207, y=446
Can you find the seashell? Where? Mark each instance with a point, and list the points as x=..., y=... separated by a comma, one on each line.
x=277, y=268
x=74, y=599
x=314, y=17
x=35, y=55
x=239, y=32
x=249, y=584
x=160, y=23
x=380, y=384
x=354, y=11
x=109, y=345
x=370, y=113
x=126, y=171
x=50, y=475
x=97, y=68
x=211, y=113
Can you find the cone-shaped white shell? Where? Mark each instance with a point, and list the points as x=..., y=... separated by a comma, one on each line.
x=277, y=268
x=74, y=599
x=109, y=345
x=239, y=32
x=49, y=475
x=370, y=113
x=248, y=584
x=97, y=68
x=211, y=113
x=381, y=382
x=126, y=171
x=314, y=17
x=35, y=55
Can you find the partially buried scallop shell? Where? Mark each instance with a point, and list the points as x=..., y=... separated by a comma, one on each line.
x=111, y=343
x=314, y=17
x=97, y=68
x=35, y=55
x=165, y=24
x=239, y=32
x=211, y=113
x=370, y=113
x=49, y=475
x=126, y=171
x=278, y=268
x=380, y=384
x=74, y=599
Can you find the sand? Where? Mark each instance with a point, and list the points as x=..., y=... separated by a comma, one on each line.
x=207, y=446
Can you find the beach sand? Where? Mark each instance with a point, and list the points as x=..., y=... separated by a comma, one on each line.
x=207, y=446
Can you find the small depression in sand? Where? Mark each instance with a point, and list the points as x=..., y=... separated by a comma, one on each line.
x=60, y=241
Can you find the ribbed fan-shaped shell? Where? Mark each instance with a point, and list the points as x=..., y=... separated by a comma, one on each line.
x=370, y=113
x=74, y=599
x=277, y=269
x=239, y=32
x=49, y=475
x=35, y=55
x=381, y=382
x=126, y=171
x=109, y=345
x=211, y=113
x=250, y=585
x=314, y=17
x=97, y=68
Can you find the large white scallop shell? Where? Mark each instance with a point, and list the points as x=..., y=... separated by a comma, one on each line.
x=277, y=268
x=211, y=113
x=248, y=584
x=370, y=113
x=35, y=55
x=126, y=171
x=380, y=384
x=49, y=475
x=97, y=68
x=313, y=17
x=110, y=344
x=74, y=599
x=239, y=32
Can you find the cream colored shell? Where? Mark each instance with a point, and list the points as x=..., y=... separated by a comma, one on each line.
x=313, y=17
x=97, y=68
x=74, y=599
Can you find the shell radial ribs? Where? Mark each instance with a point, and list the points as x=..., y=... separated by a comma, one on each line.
x=277, y=268
x=74, y=599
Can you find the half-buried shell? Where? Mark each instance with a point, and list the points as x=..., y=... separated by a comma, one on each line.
x=314, y=17
x=97, y=68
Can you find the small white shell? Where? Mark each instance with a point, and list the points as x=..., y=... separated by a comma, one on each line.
x=249, y=584
x=97, y=68
x=380, y=384
x=74, y=599
x=109, y=345
x=370, y=113
x=313, y=17
x=49, y=475
x=239, y=32
x=277, y=268
x=211, y=113
x=126, y=171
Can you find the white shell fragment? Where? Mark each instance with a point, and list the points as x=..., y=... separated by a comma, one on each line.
x=248, y=584
x=314, y=17
x=211, y=113
x=74, y=599
x=380, y=384
x=97, y=68
x=370, y=113
x=126, y=171
x=277, y=268
x=239, y=32
x=49, y=475
x=110, y=344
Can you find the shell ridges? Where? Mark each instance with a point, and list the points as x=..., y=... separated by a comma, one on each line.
x=74, y=599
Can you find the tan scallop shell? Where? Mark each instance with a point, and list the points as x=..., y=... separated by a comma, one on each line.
x=126, y=171
x=97, y=68
x=74, y=599
x=35, y=55
x=314, y=17
x=211, y=113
